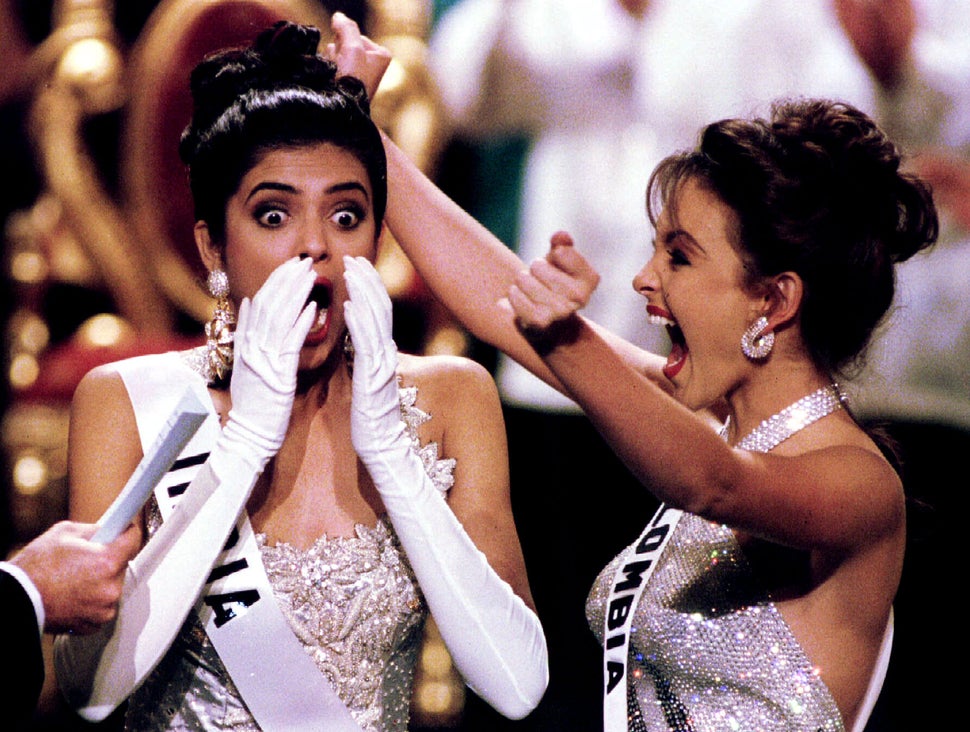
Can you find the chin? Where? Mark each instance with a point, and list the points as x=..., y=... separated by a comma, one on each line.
x=314, y=357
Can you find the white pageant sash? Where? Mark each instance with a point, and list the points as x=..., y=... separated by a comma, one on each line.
x=250, y=634
x=631, y=577
x=236, y=602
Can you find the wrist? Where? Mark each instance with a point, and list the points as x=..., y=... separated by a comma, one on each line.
x=546, y=340
x=243, y=441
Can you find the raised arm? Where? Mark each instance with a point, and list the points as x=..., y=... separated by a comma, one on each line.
x=803, y=495
x=467, y=268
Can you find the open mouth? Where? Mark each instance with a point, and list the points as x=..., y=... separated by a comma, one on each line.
x=322, y=295
x=678, y=345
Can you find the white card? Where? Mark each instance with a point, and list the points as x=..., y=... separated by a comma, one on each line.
x=184, y=422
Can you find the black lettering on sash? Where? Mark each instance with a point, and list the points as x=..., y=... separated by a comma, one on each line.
x=617, y=612
x=615, y=641
x=634, y=576
x=653, y=539
x=227, y=569
x=614, y=675
x=224, y=605
x=232, y=540
x=177, y=490
x=186, y=462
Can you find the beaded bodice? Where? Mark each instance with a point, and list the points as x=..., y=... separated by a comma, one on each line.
x=709, y=650
x=357, y=610
x=353, y=603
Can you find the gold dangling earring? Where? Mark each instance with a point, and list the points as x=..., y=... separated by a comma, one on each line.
x=218, y=331
x=755, y=343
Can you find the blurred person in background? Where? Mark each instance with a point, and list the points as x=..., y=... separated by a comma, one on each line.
x=600, y=91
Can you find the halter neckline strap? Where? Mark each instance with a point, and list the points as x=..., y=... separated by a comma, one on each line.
x=793, y=418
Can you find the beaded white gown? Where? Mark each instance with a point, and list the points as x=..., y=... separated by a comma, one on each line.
x=353, y=602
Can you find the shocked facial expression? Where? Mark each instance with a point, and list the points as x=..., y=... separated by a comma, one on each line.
x=693, y=284
x=313, y=201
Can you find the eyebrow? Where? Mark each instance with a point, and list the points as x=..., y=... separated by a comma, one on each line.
x=351, y=185
x=683, y=235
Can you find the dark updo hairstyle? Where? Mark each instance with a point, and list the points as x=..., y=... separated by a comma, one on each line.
x=276, y=94
x=817, y=191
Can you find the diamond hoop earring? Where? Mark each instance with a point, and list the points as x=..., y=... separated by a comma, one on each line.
x=218, y=331
x=755, y=343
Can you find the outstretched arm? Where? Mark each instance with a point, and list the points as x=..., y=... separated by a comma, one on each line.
x=467, y=268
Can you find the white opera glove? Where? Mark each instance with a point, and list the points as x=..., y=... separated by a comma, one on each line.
x=495, y=640
x=98, y=671
x=270, y=331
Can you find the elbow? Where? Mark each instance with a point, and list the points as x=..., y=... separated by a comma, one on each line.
x=709, y=491
x=530, y=689
x=523, y=687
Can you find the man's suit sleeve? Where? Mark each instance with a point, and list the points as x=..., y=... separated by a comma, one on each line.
x=24, y=660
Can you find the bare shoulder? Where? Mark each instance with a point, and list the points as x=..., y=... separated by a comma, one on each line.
x=102, y=391
x=103, y=443
x=857, y=491
x=863, y=469
x=443, y=377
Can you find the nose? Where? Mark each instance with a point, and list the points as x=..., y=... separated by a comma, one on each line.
x=313, y=243
x=646, y=280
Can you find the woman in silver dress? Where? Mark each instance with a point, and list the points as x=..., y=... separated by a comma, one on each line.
x=760, y=596
x=374, y=485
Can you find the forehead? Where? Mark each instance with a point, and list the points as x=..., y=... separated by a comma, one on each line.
x=307, y=168
x=696, y=211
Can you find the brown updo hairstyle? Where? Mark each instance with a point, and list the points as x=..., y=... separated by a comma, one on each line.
x=276, y=94
x=817, y=190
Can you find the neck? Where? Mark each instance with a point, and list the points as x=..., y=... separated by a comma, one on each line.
x=771, y=389
x=321, y=386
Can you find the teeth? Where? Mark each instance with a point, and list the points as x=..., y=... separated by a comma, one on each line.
x=660, y=320
x=321, y=317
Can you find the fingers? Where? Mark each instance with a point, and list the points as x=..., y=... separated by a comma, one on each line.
x=561, y=239
x=559, y=277
x=126, y=546
x=357, y=55
x=344, y=30
x=554, y=288
x=283, y=295
x=297, y=334
x=364, y=284
x=369, y=311
x=567, y=258
x=370, y=322
x=278, y=310
x=74, y=528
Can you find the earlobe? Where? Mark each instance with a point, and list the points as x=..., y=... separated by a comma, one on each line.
x=210, y=254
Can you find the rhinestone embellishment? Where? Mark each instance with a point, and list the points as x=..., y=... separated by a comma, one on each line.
x=779, y=427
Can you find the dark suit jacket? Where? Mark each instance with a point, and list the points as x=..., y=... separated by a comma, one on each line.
x=23, y=659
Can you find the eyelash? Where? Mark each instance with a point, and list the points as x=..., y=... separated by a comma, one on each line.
x=677, y=257
x=261, y=212
x=352, y=209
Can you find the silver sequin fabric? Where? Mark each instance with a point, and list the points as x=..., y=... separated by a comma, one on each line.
x=353, y=602
x=709, y=651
